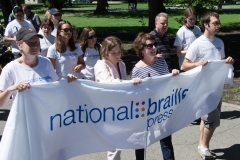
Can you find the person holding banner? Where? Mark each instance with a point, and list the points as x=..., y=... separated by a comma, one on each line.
x=207, y=47
x=65, y=54
x=111, y=69
x=150, y=65
x=29, y=69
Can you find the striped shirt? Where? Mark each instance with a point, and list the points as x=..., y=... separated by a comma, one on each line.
x=163, y=45
x=157, y=69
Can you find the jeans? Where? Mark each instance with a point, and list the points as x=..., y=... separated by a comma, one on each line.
x=167, y=149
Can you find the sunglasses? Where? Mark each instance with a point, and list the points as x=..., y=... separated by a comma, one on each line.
x=150, y=45
x=216, y=23
x=57, y=15
x=92, y=36
x=67, y=29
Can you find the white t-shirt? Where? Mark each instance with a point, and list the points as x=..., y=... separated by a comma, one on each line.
x=15, y=72
x=185, y=37
x=54, y=32
x=203, y=47
x=91, y=56
x=45, y=43
x=12, y=29
x=65, y=62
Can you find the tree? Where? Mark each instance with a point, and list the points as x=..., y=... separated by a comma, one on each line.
x=101, y=7
x=154, y=7
x=6, y=10
x=56, y=3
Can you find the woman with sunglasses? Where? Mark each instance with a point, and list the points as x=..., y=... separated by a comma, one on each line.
x=186, y=34
x=46, y=28
x=90, y=47
x=111, y=69
x=149, y=66
x=65, y=55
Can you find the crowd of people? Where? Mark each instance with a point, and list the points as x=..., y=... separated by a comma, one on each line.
x=54, y=48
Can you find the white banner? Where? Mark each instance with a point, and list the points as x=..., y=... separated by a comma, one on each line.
x=60, y=120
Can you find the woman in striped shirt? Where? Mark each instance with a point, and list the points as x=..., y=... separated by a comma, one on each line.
x=151, y=65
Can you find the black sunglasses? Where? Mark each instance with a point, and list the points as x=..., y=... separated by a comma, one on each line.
x=19, y=15
x=92, y=36
x=67, y=29
x=150, y=45
x=57, y=14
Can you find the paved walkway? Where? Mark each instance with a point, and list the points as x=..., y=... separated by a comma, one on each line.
x=225, y=142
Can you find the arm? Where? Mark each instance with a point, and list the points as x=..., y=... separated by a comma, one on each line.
x=5, y=95
x=9, y=39
x=188, y=64
x=53, y=62
x=81, y=65
x=180, y=52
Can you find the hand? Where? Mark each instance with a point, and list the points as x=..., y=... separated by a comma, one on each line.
x=175, y=72
x=230, y=60
x=202, y=62
x=158, y=55
x=136, y=81
x=71, y=78
x=77, y=69
x=21, y=86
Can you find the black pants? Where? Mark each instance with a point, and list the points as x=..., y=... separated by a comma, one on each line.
x=167, y=149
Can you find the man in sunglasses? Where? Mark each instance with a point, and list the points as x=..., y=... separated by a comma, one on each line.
x=13, y=27
x=32, y=17
x=55, y=17
x=163, y=45
x=207, y=47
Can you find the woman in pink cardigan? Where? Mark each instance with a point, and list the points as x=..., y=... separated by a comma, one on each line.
x=112, y=69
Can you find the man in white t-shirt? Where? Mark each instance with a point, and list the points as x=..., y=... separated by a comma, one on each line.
x=186, y=34
x=13, y=27
x=207, y=47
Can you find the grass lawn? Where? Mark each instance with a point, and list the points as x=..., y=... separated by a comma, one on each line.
x=129, y=22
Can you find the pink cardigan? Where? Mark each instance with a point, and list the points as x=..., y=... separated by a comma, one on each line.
x=105, y=71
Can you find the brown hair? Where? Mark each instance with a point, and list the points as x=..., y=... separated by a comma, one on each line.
x=188, y=12
x=83, y=38
x=47, y=22
x=140, y=41
x=206, y=18
x=59, y=42
x=108, y=44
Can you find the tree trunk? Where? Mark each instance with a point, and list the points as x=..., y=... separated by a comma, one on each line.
x=101, y=7
x=154, y=7
x=6, y=10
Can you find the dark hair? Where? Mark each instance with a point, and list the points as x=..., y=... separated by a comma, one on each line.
x=59, y=42
x=108, y=44
x=47, y=22
x=140, y=41
x=83, y=38
x=188, y=12
x=27, y=7
x=17, y=9
x=206, y=18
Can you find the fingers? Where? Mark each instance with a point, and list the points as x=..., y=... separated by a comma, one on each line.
x=71, y=78
x=137, y=81
x=230, y=60
x=22, y=86
x=158, y=55
x=203, y=62
x=175, y=72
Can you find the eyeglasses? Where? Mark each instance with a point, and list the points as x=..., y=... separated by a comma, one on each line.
x=19, y=15
x=67, y=29
x=217, y=23
x=164, y=24
x=92, y=36
x=191, y=19
x=58, y=14
x=150, y=45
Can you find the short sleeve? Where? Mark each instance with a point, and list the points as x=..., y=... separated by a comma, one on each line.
x=52, y=52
